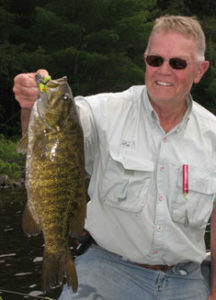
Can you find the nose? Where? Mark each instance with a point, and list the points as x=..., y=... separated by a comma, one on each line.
x=165, y=67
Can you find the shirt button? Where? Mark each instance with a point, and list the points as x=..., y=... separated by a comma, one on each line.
x=155, y=251
x=160, y=197
x=165, y=139
x=159, y=228
x=162, y=168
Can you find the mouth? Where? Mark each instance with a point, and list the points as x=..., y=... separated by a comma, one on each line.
x=162, y=83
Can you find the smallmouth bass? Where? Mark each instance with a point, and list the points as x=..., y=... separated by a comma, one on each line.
x=55, y=175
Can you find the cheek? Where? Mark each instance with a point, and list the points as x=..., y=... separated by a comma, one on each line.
x=146, y=74
x=189, y=77
x=149, y=74
x=185, y=81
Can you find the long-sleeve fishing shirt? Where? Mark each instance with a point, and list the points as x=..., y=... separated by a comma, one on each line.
x=137, y=208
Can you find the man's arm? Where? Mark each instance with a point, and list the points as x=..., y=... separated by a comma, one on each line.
x=25, y=116
x=213, y=255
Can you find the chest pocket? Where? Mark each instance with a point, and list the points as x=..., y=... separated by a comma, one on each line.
x=198, y=204
x=126, y=182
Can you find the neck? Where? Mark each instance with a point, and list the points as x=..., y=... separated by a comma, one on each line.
x=169, y=116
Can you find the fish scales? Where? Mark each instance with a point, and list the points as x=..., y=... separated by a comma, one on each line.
x=55, y=180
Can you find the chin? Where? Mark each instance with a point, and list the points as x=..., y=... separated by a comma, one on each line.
x=158, y=100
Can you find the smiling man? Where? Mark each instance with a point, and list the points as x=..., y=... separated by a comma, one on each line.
x=174, y=61
x=151, y=154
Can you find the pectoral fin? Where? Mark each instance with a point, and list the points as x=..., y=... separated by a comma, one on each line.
x=30, y=226
x=41, y=145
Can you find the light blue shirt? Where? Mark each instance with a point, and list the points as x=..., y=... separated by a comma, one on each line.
x=137, y=208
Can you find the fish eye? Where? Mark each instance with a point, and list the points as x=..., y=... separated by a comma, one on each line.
x=65, y=97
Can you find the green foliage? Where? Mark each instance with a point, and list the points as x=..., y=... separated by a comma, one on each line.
x=11, y=163
x=99, y=45
x=8, y=60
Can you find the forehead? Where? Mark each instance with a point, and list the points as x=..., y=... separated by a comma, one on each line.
x=171, y=44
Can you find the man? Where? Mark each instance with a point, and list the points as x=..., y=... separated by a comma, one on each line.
x=151, y=154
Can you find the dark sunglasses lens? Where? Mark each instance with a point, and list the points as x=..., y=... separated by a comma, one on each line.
x=154, y=60
x=178, y=63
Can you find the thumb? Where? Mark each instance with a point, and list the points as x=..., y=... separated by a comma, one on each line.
x=42, y=72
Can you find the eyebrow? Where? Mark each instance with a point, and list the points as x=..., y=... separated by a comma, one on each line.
x=175, y=56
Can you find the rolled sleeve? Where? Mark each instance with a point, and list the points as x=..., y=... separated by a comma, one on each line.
x=89, y=131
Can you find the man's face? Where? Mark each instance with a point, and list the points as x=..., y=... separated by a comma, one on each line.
x=165, y=84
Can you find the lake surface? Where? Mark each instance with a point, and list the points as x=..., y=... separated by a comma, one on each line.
x=20, y=256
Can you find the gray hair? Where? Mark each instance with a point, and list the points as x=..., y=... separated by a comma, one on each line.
x=185, y=25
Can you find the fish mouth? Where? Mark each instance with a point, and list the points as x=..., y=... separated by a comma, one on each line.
x=163, y=83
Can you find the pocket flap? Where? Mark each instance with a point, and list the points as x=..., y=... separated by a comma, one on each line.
x=200, y=181
x=135, y=162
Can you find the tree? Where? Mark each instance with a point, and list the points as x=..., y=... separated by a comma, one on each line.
x=98, y=44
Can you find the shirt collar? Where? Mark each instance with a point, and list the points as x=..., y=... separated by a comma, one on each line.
x=154, y=119
x=151, y=114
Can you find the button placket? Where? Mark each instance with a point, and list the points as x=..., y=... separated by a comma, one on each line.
x=160, y=213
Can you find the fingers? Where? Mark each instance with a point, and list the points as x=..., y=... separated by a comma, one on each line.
x=25, y=88
x=42, y=72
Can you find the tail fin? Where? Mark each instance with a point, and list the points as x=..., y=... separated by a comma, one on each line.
x=53, y=269
x=71, y=273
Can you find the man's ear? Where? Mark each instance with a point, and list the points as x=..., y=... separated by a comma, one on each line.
x=201, y=69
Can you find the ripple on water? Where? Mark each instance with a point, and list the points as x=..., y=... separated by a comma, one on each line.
x=20, y=257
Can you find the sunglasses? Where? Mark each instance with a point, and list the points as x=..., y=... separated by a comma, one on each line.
x=175, y=62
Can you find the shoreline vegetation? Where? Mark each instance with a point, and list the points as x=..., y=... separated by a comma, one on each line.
x=12, y=164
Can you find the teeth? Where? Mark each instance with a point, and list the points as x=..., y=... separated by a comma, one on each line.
x=163, y=83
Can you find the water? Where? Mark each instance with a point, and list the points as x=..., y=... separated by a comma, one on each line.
x=20, y=256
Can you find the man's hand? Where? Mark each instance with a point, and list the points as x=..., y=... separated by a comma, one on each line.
x=26, y=93
x=25, y=88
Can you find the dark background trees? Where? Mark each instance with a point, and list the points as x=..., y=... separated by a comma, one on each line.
x=98, y=44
